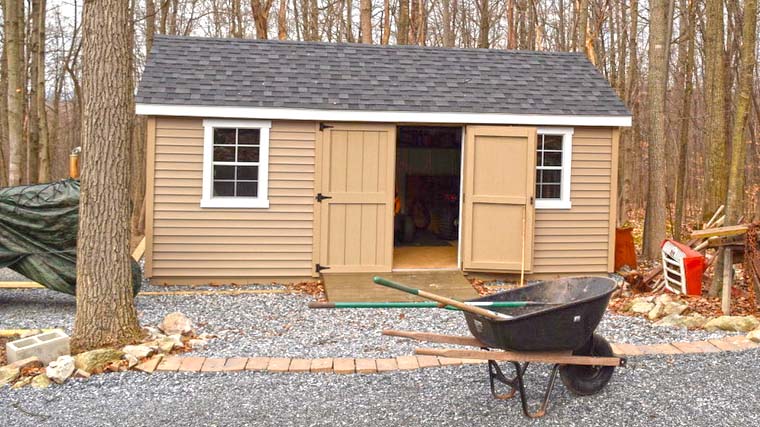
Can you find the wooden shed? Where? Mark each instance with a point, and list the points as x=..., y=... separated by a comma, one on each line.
x=275, y=160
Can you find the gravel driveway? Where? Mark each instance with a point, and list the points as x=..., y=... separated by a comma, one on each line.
x=698, y=390
x=282, y=325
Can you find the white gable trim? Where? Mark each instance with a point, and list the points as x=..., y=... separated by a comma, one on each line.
x=379, y=116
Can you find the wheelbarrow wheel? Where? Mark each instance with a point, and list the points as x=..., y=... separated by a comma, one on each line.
x=586, y=380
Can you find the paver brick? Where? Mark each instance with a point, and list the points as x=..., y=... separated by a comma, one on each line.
x=235, y=364
x=696, y=347
x=427, y=361
x=278, y=364
x=300, y=365
x=449, y=361
x=321, y=365
x=366, y=366
x=169, y=363
x=213, y=364
x=191, y=364
x=151, y=364
x=407, y=363
x=626, y=349
x=658, y=349
x=724, y=345
x=344, y=366
x=257, y=364
x=386, y=365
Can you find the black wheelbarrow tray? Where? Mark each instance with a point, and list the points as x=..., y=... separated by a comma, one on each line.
x=560, y=333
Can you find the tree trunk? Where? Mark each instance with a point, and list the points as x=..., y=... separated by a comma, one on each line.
x=386, y=36
x=150, y=24
x=402, y=23
x=686, y=67
x=484, y=27
x=105, y=310
x=13, y=15
x=260, y=10
x=448, y=30
x=3, y=113
x=580, y=36
x=44, y=132
x=32, y=122
x=735, y=198
x=282, y=20
x=716, y=170
x=654, y=231
x=313, y=21
x=366, y=21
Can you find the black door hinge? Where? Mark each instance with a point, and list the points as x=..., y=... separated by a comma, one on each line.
x=321, y=197
x=323, y=126
x=319, y=268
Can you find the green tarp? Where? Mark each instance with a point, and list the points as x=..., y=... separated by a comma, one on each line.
x=38, y=234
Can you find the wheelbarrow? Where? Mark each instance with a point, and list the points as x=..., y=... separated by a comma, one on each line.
x=559, y=332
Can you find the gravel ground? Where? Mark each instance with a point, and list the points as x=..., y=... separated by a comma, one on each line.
x=697, y=390
x=282, y=325
x=6, y=274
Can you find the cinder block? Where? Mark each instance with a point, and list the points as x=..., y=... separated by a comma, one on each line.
x=46, y=346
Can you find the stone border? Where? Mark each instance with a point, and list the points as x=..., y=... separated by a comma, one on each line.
x=406, y=363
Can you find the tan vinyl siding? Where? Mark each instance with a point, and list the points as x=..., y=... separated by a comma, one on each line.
x=223, y=243
x=576, y=241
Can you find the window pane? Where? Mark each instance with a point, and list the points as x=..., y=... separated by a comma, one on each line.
x=248, y=154
x=224, y=154
x=248, y=189
x=224, y=172
x=224, y=136
x=553, y=142
x=247, y=172
x=224, y=189
x=538, y=177
x=550, y=191
x=248, y=136
x=552, y=159
x=538, y=191
x=551, y=177
x=539, y=158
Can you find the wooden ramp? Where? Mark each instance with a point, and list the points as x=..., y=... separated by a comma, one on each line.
x=358, y=287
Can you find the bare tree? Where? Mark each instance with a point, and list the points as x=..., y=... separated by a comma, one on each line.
x=106, y=314
x=402, y=22
x=386, y=34
x=13, y=15
x=41, y=96
x=282, y=20
x=260, y=10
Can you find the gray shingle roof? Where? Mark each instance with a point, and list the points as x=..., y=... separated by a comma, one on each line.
x=288, y=74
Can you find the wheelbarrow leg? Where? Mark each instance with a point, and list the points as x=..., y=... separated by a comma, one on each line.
x=496, y=374
x=518, y=385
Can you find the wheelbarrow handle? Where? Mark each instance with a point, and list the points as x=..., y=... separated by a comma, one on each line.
x=395, y=285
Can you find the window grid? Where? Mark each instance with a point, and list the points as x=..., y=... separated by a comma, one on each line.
x=234, y=164
x=541, y=166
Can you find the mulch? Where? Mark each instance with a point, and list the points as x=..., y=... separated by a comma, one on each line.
x=3, y=340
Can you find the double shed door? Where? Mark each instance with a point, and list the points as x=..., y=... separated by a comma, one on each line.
x=356, y=176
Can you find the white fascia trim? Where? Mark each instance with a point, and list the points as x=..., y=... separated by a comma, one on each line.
x=379, y=116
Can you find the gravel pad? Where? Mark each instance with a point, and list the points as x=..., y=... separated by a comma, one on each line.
x=696, y=390
x=282, y=325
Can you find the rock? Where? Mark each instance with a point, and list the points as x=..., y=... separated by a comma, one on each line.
x=60, y=369
x=138, y=351
x=176, y=323
x=754, y=336
x=674, y=307
x=82, y=374
x=664, y=299
x=657, y=312
x=732, y=323
x=694, y=320
x=41, y=381
x=153, y=332
x=23, y=382
x=8, y=374
x=642, y=307
x=96, y=360
x=197, y=343
x=169, y=343
x=132, y=361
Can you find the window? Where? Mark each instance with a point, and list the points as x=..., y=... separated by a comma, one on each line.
x=553, y=157
x=235, y=164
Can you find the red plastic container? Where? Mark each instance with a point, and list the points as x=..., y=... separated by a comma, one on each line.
x=684, y=263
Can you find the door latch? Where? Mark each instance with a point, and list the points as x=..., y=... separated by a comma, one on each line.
x=321, y=197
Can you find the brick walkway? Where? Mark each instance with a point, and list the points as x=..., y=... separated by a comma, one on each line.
x=404, y=363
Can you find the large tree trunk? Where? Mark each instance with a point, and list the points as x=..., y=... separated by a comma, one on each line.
x=366, y=21
x=106, y=314
x=716, y=168
x=3, y=112
x=402, y=23
x=579, y=42
x=735, y=198
x=282, y=20
x=654, y=231
x=484, y=27
x=13, y=15
x=260, y=10
x=150, y=24
x=686, y=67
x=386, y=36
x=44, y=133
x=511, y=25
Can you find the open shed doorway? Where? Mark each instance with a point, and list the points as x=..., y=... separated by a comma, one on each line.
x=427, y=202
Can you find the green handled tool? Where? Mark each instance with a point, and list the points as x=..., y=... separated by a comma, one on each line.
x=441, y=299
x=421, y=304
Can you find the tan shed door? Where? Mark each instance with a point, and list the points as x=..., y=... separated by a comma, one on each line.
x=356, y=171
x=499, y=180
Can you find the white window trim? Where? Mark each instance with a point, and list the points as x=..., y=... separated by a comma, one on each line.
x=567, y=159
x=207, y=199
